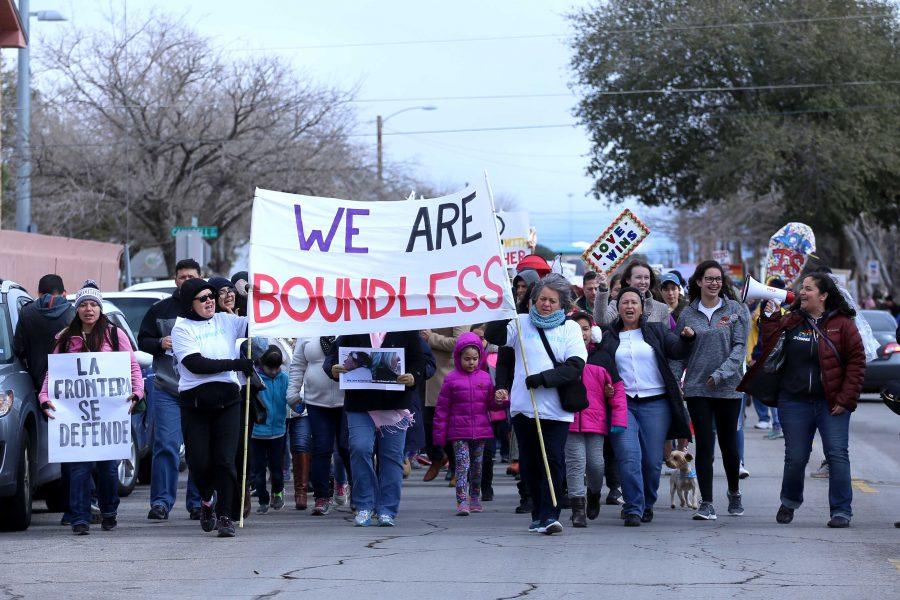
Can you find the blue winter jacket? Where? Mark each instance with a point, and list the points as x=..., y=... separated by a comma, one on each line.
x=274, y=397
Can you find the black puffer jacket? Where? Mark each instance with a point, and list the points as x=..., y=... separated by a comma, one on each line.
x=666, y=346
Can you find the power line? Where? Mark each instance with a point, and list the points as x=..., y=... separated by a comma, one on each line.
x=694, y=90
x=605, y=30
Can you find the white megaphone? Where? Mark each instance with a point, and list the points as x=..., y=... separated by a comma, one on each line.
x=754, y=290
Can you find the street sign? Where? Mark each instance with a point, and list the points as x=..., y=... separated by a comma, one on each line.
x=209, y=233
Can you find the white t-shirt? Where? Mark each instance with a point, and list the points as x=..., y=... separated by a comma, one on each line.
x=214, y=339
x=636, y=363
x=566, y=342
x=709, y=311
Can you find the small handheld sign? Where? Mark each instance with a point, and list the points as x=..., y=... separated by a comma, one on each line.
x=616, y=243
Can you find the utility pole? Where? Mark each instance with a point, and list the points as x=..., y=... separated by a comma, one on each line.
x=378, y=125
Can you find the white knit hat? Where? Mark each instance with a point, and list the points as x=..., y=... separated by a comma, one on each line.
x=89, y=291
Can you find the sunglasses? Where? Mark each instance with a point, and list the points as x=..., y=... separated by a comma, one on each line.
x=204, y=298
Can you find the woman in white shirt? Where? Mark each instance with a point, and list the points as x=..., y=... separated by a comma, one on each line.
x=656, y=410
x=551, y=299
x=206, y=355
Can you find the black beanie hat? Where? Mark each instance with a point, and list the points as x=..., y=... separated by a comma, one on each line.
x=189, y=290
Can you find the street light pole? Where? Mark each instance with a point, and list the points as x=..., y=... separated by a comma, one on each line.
x=23, y=123
x=379, y=127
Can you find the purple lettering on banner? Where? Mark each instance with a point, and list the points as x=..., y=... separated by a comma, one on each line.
x=315, y=236
x=351, y=231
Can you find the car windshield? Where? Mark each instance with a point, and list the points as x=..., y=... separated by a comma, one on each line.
x=134, y=310
x=6, y=354
x=880, y=320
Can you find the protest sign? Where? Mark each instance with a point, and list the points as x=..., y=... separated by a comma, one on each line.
x=514, y=234
x=372, y=368
x=90, y=391
x=789, y=249
x=322, y=266
x=616, y=243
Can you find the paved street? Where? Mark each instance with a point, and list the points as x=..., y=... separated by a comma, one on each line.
x=434, y=554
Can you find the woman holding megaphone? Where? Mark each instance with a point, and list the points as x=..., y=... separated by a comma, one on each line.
x=812, y=366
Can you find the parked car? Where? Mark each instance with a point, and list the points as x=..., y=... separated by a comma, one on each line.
x=886, y=365
x=164, y=285
x=134, y=305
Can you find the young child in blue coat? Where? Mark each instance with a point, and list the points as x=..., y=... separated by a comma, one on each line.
x=267, y=443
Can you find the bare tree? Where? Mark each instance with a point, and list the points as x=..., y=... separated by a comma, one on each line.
x=146, y=126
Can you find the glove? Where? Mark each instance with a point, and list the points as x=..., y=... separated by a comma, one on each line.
x=244, y=365
x=617, y=429
x=533, y=381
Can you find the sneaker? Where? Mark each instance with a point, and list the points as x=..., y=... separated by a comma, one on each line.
x=821, y=472
x=535, y=525
x=423, y=460
x=632, y=520
x=775, y=434
x=385, y=521
x=785, y=515
x=158, y=512
x=263, y=509
x=462, y=510
x=475, y=506
x=647, y=517
x=763, y=425
x=735, y=508
x=839, y=522
x=108, y=523
x=225, y=527
x=278, y=501
x=615, y=497
x=550, y=527
x=81, y=529
x=341, y=494
x=208, y=514
x=706, y=512
x=363, y=519
x=322, y=507
x=743, y=473
x=194, y=514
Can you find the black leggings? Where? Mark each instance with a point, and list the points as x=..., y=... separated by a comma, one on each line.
x=211, y=438
x=724, y=413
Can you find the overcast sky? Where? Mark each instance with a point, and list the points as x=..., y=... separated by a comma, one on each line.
x=343, y=43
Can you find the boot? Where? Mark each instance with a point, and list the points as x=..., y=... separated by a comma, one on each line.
x=592, y=504
x=300, y=466
x=578, y=517
x=434, y=469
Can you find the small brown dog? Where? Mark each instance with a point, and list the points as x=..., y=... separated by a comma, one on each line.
x=683, y=479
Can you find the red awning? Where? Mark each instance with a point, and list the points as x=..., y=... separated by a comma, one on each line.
x=11, y=35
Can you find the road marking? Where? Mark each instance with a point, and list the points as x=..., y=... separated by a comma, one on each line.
x=895, y=562
x=862, y=486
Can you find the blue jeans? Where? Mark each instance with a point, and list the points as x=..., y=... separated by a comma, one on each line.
x=379, y=492
x=639, y=452
x=80, y=484
x=762, y=412
x=327, y=433
x=800, y=417
x=299, y=434
x=167, y=439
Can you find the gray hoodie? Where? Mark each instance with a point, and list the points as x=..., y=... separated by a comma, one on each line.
x=718, y=350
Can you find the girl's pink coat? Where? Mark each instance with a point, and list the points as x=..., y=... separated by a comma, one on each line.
x=593, y=419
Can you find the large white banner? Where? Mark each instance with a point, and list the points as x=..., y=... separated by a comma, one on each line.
x=322, y=266
x=514, y=232
x=90, y=391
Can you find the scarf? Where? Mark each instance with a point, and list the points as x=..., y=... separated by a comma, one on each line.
x=554, y=319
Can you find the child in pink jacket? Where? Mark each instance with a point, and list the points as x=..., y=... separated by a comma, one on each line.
x=462, y=417
x=607, y=412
